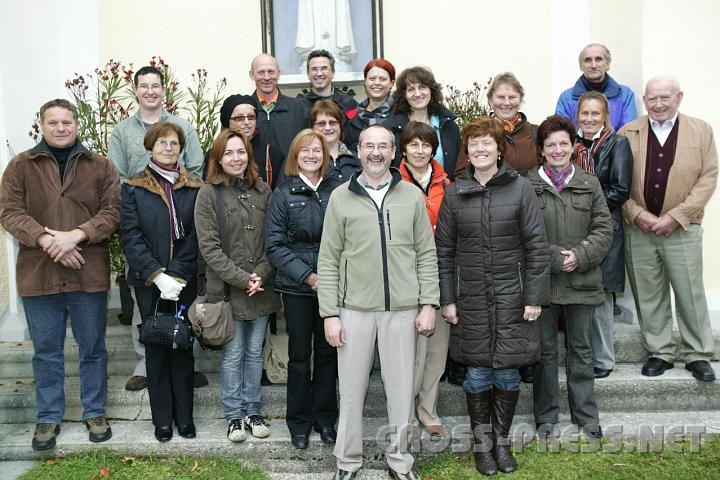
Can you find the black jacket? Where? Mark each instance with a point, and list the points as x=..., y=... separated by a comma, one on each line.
x=613, y=166
x=493, y=260
x=294, y=227
x=145, y=227
x=346, y=164
x=449, y=138
x=342, y=100
x=286, y=119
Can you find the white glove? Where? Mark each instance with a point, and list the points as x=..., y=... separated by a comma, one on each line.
x=169, y=287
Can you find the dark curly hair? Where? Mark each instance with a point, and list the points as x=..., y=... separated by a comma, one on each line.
x=552, y=124
x=422, y=76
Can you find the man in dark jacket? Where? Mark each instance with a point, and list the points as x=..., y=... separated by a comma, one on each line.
x=61, y=202
x=280, y=118
x=321, y=72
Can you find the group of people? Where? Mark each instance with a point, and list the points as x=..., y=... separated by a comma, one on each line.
x=378, y=223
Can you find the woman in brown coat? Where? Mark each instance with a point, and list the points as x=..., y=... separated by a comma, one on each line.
x=244, y=267
x=494, y=270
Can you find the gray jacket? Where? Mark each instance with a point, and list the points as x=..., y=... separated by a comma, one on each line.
x=127, y=152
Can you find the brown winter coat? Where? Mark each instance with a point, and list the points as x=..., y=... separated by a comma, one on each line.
x=245, y=210
x=33, y=197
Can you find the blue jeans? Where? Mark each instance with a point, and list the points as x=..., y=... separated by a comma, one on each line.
x=241, y=369
x=46, y=316
x=482, y=379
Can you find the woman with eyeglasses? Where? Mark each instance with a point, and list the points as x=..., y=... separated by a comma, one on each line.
x=419, y=97
x=326, y=118
x=239, y=112
x=294, y=227
x=160, y=244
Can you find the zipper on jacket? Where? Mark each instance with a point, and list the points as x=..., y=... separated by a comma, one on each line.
x=346, y=289
x=383, y=249
x=522, y=287
x=457, y=288
x=388, y=224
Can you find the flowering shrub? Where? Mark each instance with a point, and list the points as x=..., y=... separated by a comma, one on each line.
x=468, y=104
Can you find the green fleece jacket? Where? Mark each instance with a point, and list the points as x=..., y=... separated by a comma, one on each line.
x=127, y=151
x=376, y=259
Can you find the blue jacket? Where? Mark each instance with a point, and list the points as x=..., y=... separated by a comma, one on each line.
x=620, y=97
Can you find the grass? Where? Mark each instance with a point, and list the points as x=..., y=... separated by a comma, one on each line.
x=566, y=465
x=103, y=464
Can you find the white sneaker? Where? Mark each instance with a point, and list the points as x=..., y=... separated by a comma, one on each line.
x=256, y=425
x=235, y=431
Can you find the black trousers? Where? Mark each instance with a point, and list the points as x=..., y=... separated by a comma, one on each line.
x=311, y=399
x=169, y=373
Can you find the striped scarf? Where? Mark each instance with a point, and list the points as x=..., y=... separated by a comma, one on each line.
x=167, y=178
x=584, y=156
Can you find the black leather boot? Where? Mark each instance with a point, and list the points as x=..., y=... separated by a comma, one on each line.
x=479, y=408
x=503, y=411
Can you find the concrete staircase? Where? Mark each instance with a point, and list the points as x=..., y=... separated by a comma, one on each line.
x=630, y=404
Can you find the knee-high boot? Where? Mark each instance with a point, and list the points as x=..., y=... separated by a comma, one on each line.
x=503, y=411
x=479, y=407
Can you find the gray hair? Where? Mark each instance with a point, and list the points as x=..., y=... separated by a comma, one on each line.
x=664, y=77
x=606, y=52
x=390, y=134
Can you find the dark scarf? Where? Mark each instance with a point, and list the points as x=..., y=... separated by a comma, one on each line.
x=167, y=178
x=380, y=113
x=584, y=155
x=558, y=177
x=596, y=86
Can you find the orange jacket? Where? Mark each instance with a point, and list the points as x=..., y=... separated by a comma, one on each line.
x=435, y=191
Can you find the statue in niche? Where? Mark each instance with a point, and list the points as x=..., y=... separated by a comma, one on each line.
x=325, y=24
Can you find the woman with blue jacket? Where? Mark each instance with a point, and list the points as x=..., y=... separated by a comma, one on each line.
x=294, y=228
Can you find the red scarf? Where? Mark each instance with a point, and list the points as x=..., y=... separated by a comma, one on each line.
x=584, y=156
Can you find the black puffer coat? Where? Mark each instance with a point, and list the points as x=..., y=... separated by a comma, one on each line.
x=493, y=261
x=294, y=227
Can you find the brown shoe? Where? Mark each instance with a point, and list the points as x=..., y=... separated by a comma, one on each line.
x=136, y=383
x=44, y=436
x=199, y=380
x=435, y=430
x=99, y=429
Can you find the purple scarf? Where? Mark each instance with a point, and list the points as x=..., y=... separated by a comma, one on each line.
x=167, y=178
x=558, y=177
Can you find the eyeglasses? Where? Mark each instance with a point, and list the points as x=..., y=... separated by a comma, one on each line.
x=323, y=69
x=383, y=147
x=241, y=118
x=323, y=124
x=164, y=144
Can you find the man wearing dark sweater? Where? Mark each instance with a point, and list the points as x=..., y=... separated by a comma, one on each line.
x=321, y=72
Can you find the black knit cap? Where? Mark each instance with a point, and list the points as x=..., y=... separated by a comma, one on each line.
x=229, y=105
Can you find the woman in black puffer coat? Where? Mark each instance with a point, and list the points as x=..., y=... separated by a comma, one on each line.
x=494, y=277
x=294, y=228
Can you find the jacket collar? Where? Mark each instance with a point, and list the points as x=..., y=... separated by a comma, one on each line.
x=578, y=182
x=612, y=89
x=281, y=104
x=43, y=149
x=147, y=181
x=260, y=186
x=466, y=183
x=355, y=187
x=438, y=174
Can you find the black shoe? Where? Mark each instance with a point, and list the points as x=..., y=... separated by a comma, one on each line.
x=187, y=431
x=327, y=434
x=199, y=380
x=701, y=370
x=264, y=380
x=163, y=434
x=602, y=372
x=655, y=367
x=300, y=441
x=135, y=383
x=546, y=431
x=616, y=311
x=343, y=475
x=526, y=374
x=592, y=432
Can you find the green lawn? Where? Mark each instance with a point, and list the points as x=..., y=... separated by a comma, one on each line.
x=103, y=464
x=532, y=464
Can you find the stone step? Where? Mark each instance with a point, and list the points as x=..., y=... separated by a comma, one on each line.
x=276, y=454
x=16, y=357
x=625, y=390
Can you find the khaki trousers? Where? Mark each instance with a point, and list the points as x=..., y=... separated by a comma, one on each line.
x=396, y=338
x=430, y=361
x=654, y=264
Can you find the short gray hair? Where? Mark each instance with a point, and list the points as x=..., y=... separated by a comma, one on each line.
x=606, y=52
x=664, y=77
x=390, y=134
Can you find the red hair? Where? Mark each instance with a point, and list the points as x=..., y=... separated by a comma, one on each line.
x=380, y=63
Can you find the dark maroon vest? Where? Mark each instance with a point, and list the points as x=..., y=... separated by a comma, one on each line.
x=659, y=160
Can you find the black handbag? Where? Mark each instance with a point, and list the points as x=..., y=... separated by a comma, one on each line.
x=170, y=331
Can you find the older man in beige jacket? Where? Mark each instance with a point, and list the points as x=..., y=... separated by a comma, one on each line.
x=674, y=175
